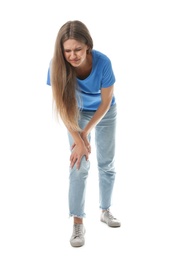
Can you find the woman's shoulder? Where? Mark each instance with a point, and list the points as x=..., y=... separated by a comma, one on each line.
x=99, y=55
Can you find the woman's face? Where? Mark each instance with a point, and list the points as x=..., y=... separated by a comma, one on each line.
x=75, y=52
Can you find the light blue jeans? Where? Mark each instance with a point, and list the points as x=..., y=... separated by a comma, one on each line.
x=105, y=150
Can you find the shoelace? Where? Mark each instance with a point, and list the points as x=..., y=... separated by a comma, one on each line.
x=110, y=216
x=77, y=231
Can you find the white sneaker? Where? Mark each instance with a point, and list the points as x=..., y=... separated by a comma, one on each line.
x=108, y=218
x=77, y=239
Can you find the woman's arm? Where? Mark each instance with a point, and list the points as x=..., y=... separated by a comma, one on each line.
x=106, y=95
x=81, y=145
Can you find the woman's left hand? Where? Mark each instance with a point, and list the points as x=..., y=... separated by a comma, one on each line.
x=86, y=142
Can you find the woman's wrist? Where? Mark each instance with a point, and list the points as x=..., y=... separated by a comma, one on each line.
x=84, y=133
x=79, y=141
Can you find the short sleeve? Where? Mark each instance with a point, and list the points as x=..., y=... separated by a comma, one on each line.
x=108, y=75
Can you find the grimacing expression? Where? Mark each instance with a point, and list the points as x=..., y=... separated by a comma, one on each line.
x=75, y=52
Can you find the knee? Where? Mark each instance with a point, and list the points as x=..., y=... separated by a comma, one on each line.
x=107, y=166
x=82, y=172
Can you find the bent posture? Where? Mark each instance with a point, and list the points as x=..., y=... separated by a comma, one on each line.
x=82, y=81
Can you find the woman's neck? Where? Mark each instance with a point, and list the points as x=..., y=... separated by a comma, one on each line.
x=84, y=71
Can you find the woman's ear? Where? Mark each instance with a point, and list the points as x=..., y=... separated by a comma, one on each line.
x=88, y=50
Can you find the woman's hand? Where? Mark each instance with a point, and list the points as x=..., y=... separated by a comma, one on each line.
x=78, y=151
x=86, y=142
x=84, y=137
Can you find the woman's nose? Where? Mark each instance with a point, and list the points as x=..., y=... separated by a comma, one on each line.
x=72, y=54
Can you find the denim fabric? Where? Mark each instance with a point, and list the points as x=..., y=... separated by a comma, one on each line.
x=105, y=132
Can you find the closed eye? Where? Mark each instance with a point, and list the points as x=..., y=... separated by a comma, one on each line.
x=76, y=50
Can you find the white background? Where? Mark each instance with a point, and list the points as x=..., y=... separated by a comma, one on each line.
x=34, y=156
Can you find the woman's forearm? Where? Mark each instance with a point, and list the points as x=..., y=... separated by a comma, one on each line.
x=98, y=115
x=106, y=96
x=76, y=136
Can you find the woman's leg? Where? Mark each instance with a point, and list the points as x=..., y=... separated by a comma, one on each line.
x=78, y=179
x=77, y=190
x=105, y=150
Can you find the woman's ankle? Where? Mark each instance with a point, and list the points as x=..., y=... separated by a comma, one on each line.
x=78, y=220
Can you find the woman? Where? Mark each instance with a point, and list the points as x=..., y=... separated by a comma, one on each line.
x=82, y=81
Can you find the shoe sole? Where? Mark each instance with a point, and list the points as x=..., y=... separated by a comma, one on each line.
x=78, y=245
x=116, y=226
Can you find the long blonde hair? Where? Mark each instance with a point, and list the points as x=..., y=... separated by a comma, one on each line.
x=63, y=76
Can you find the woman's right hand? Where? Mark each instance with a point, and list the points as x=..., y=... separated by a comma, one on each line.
x=78, y=151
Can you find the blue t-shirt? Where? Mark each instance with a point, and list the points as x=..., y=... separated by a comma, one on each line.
x=88, y=92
